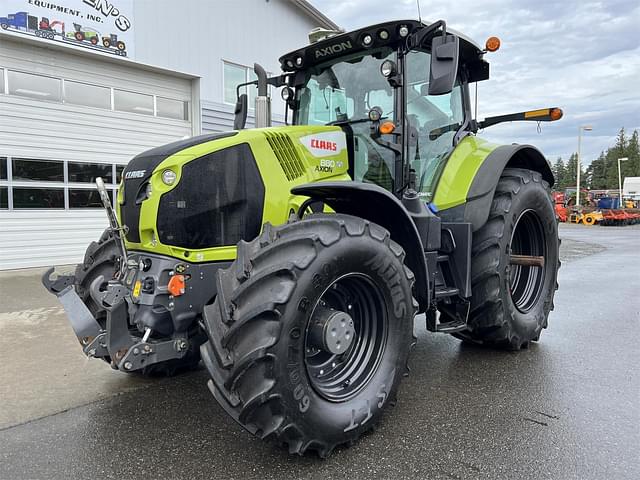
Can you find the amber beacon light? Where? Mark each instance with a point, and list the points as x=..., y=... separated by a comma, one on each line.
x=492, y=44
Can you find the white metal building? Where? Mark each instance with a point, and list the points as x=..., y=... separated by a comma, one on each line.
x=71, y=110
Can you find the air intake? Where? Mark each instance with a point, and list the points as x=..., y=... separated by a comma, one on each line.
x=287, y=154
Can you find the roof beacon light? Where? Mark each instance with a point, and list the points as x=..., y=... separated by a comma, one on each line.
x=492, y=44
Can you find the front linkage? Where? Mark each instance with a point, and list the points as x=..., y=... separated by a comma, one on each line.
x=112, y=340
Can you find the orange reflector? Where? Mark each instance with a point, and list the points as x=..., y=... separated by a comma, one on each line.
x=555, y=114
x=176, y=285
x=386, y=128
x=492, y=44
x=536, y=113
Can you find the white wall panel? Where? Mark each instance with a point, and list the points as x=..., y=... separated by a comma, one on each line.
x=56, y=131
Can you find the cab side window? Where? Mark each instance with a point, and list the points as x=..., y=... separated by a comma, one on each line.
x=433, y=122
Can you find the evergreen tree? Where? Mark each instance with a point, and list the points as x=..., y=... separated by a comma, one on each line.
x=597, y=173
x=559, y=172
x=571, y=171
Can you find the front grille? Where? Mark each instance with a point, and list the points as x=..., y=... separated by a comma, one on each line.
x=217, y=202
x=287, y=154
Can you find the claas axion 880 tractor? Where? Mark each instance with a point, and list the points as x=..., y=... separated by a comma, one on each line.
x=292, y=260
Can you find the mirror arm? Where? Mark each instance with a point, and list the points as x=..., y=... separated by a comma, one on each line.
x=415, y=40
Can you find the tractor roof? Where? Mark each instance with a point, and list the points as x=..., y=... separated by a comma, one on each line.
x=471, y=54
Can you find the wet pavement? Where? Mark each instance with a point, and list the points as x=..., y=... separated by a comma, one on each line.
x=566, y=408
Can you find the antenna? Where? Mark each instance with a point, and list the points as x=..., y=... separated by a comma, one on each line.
x=419, y=14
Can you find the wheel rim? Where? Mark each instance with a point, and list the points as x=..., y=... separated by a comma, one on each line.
x=339, y=377
x=526, y=282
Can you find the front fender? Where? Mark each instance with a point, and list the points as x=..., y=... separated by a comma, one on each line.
x=374, y=203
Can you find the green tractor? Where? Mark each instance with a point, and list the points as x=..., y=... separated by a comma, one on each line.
x=293, y=260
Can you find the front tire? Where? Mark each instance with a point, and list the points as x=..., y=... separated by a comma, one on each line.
x=510, y=303
x=268, y=368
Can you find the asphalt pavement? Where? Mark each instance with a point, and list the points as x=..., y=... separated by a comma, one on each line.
x=566, y=408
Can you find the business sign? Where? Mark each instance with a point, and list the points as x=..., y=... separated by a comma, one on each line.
x=102, y=25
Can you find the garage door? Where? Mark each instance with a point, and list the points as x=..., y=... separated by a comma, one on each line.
x=65, y=119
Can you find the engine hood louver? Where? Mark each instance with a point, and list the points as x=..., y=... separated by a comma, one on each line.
x=287, y=154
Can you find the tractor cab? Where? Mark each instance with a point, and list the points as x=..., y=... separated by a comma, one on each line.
x=402, y=108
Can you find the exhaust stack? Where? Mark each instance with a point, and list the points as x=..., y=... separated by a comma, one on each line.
x=263, y=101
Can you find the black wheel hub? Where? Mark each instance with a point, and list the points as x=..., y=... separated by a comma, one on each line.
x=346, y=337
x=331, y=330
x=527, y=281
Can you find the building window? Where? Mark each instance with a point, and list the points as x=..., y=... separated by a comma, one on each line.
x=38, y=170
x=38, y=197
x=88, y=172
x=235, y=75
x=4, y=198
x=27, y=183
x=86, y=198
x=119, y=169
x=168, y=108
x=34, y=86
x=87, y=95
x=124, y=101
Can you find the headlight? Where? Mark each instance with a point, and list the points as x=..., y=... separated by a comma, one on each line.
x=388, y=68
x=169, y=177
x=286, y=93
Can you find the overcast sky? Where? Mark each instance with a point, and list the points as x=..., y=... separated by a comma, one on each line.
x=582, y=56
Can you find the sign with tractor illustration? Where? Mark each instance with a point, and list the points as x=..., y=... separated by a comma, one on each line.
x=102, y=25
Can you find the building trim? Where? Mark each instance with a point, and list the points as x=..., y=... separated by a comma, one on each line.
x=316, y=14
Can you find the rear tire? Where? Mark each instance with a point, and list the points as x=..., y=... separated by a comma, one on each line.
x=265, y=370
x=102, y=258
x=510, y=304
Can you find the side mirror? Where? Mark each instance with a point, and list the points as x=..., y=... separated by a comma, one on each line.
x=240, y=119
x=445, y=51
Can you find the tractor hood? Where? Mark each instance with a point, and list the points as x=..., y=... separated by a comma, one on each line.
x=213, y=190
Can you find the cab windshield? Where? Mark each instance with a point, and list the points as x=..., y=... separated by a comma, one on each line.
x=343, y=92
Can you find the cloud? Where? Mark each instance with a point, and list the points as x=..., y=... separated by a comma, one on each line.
x=583, y=56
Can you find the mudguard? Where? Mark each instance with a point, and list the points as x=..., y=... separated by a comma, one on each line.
x=374, y=203
x=482, y=188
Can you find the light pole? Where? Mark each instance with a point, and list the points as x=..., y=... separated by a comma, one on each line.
x=586, y=128
x=623, y=159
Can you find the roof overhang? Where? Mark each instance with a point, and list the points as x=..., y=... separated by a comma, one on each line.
x=316, y=14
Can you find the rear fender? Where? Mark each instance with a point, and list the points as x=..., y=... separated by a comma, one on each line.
x=377, y=205
x=481, y=191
